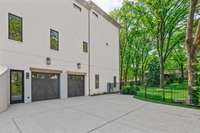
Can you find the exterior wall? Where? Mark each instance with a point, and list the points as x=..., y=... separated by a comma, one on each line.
x=32, y=52
x=4, y=89
x=72, y=26
x=104, y=58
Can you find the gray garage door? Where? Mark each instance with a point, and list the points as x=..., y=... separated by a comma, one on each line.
x=45, y=86
x=76, y=85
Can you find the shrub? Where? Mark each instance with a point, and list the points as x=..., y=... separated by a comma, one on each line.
x=153, y=75
x=131, y=90
x=125, y=90
x=195, y=96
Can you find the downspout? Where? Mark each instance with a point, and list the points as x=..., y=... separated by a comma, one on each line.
x=89, y=72
x=120, y=76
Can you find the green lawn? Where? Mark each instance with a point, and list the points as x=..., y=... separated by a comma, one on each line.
x=175, y=92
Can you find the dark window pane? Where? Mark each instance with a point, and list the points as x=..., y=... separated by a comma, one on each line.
x=15, y=27
x=115, y=81
x=54, y=39
x=97, y=81
x=85, y=47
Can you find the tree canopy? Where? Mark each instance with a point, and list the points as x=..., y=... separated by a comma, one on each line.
x=154, y=30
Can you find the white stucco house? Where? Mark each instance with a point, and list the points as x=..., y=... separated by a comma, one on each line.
x=51, y=49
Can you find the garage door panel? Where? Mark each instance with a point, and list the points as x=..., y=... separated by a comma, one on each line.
x=76, y=85
x=45, y=86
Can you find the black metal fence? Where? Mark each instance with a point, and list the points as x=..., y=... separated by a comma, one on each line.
x=176, y=93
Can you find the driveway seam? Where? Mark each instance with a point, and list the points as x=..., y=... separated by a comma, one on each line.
x=16, y=125
x=117, y=118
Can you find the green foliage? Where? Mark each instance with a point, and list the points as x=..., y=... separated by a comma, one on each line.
x=153, y=75
x=175, y=92
x=54, y=44
x=16, y=88
x=54, y=40
x=195, y=96
x=131, y=90
x=15, y=28
x=196, y=91
x=153, y=29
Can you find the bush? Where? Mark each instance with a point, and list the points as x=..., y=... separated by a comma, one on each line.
x=195, y=97
x=125, y=90
x=131, y=90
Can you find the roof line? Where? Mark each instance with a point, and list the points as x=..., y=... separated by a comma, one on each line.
x=91, y=5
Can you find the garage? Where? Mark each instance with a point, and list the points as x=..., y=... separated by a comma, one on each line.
x=76, y=85
x=45, y=86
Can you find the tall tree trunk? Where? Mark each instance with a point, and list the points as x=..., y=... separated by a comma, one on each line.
x=161, y=73
x=161, y=62
x=189, y=46
x=191, y=75
x=161, y=55
x=142, y=74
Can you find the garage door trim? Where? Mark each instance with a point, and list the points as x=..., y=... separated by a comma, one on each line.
x=41, y=70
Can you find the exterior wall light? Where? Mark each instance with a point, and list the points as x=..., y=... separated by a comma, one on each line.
x=48, y=61
x=79, y=65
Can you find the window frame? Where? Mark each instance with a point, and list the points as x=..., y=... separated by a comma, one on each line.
x=9, y=28
x=52, y=30
x=97, y=81
x=85, y=50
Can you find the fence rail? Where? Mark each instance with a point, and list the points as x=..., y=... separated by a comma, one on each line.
x=174, y=93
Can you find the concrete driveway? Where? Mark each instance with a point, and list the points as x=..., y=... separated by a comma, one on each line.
x=100, y=114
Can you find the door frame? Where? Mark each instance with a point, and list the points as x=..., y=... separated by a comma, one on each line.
x=82, y=75
x=19, y=101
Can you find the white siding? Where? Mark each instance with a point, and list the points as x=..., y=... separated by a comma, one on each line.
x=104, y=59
x=39, y=16
x=4, y=88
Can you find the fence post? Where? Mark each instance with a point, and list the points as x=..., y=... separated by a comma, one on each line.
x=171, y=95
x=145, y=91
x=163, y=94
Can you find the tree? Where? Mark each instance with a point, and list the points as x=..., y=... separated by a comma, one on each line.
x=168, y=16
x=192, y=49
x=134, y=43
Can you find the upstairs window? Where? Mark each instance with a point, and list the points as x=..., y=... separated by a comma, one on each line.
x=77, y=7
x=97, y=81
x=54, y=39
x=85, y=47
x=15, y=27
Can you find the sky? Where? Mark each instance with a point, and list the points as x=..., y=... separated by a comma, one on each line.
x=108, y=5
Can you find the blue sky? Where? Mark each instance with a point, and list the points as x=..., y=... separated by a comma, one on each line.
x=108, y=5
